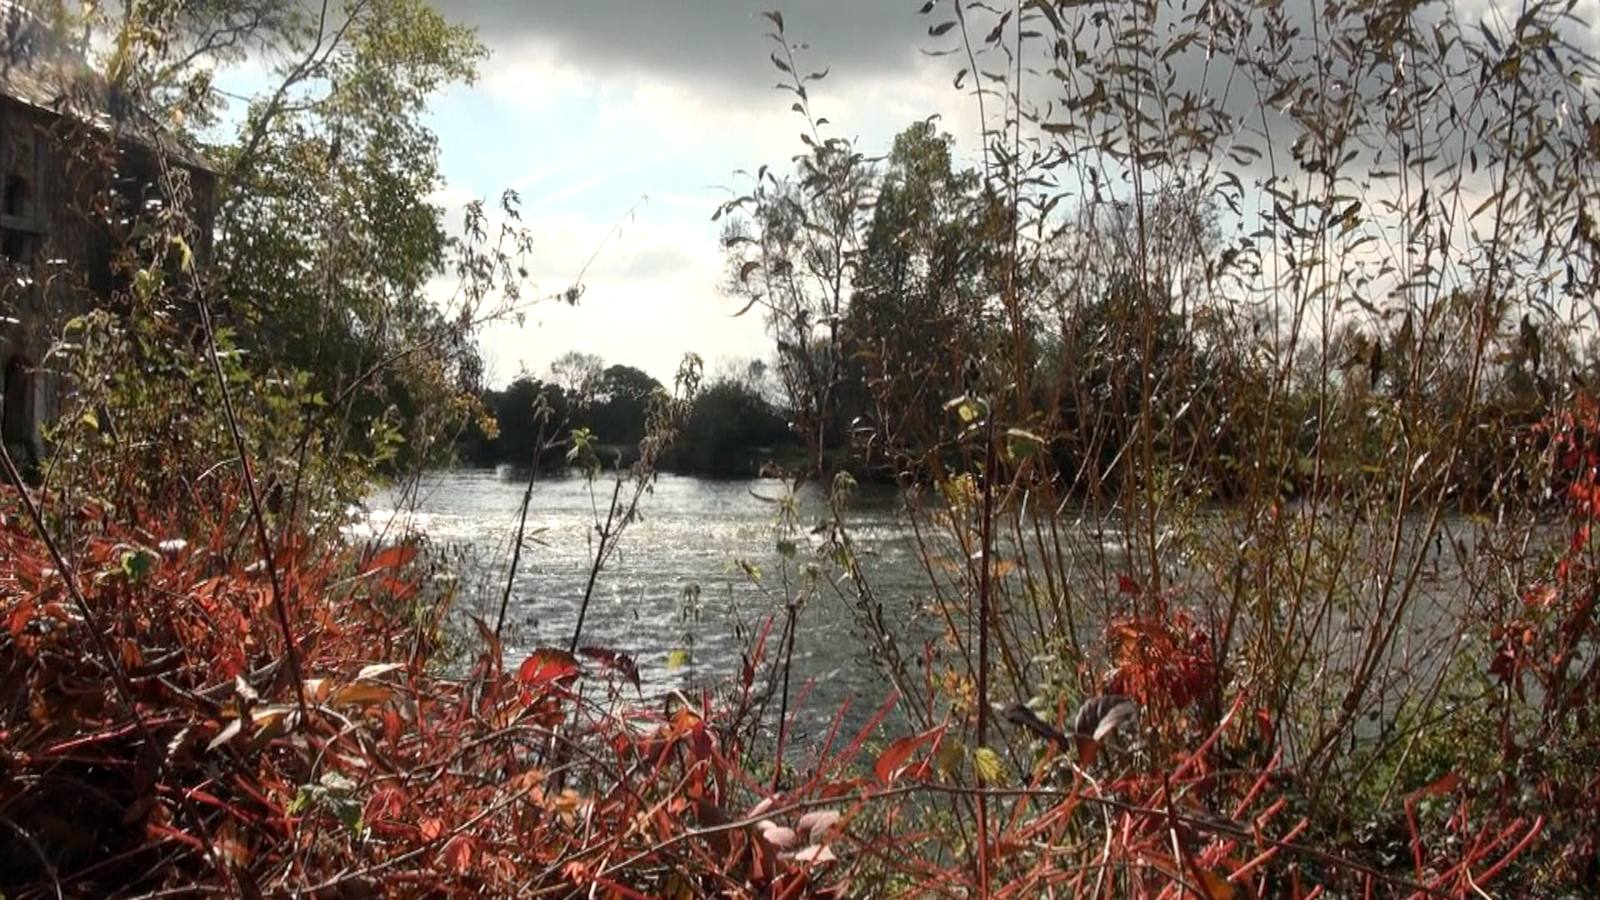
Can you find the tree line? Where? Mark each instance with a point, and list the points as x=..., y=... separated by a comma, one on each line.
x=584, y=411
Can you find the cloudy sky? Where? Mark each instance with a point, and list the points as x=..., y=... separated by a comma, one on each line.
x=603, y=112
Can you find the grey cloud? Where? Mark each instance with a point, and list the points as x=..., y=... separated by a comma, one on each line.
x=656, y=262
x=720, y=42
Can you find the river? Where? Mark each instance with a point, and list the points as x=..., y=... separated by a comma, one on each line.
x=693, y=579
x=690, y=581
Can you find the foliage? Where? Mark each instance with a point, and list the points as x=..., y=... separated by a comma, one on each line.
x=329, y=237
x=372, y=772
x=1218, y=382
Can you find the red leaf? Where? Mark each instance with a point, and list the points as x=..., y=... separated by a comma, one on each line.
x=894, y=757
x=1440, y=786
x=390, y=558
x=547, y=665
x=1127, y=585
x=458, y=854
x=620, y=663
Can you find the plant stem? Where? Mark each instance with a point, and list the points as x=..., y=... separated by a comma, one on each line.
x=522, y=525
x=594, y=570
x=984, y=574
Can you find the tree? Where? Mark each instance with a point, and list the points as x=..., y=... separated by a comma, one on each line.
x=578, y=374
x=794, y=255
x=328, y=238
x=915, y=319
x=729, y=433
x=623, y=399
x=1136, y=360
x=528, y=420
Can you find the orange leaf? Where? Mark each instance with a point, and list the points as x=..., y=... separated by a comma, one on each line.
x=1440, y=786
x=1217, y=887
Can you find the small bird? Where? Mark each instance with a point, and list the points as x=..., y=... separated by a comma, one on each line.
x=1096, y=720
x=1532, y=347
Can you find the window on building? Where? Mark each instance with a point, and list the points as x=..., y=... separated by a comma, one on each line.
x=17, y=195
x=18, y=247
x=16, y=413
x=19, y=230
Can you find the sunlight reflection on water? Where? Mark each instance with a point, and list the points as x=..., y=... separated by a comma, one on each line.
x=692, y=533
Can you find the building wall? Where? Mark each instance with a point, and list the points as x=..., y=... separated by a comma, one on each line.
x=68, y=198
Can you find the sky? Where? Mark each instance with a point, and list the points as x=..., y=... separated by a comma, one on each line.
x=623, y=125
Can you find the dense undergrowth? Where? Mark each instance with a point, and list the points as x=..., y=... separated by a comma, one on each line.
x=162, y=737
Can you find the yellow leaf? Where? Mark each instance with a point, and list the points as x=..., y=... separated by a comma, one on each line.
x=273, y=719
x=185, y=254
x=986, y=763
x=378, y=669
x=948, y=760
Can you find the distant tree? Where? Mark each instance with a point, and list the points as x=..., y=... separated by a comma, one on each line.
x=579, y=375
x=622, y=404
x=730, y=431
x=513, y=433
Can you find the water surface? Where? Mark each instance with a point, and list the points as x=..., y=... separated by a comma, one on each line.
x=691, y=580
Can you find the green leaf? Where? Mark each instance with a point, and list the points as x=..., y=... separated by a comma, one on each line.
x=677, y=659
x=1021, y=444
x=138, y=564
x=348, y=811
x=304, y=797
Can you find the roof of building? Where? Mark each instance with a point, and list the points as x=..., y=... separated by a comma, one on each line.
x=37, y=71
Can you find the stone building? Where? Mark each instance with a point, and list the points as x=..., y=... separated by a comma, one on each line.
x=78, y=168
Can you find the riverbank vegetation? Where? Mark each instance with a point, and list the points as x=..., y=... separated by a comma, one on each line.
x=1238, y=382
